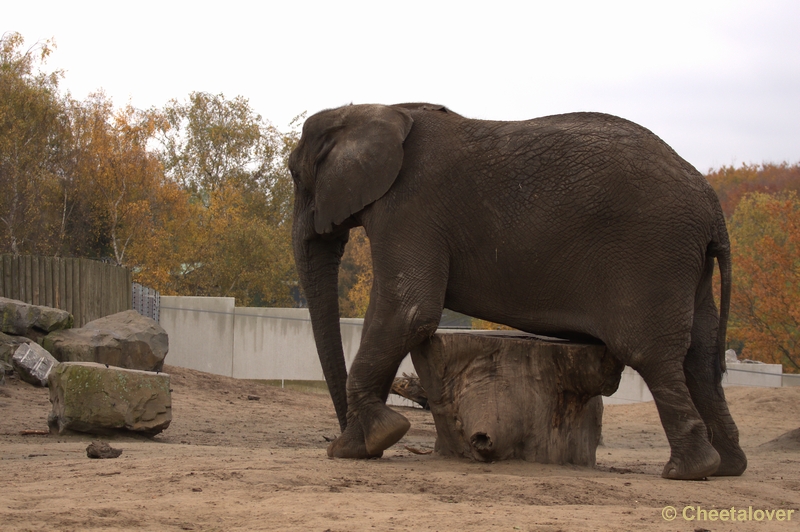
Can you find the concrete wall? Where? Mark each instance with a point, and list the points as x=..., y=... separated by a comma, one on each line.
x=790, y=379
x=274, y=343
x=748, y=374
x=200, y=332
x=210, y=334
x=632, y=388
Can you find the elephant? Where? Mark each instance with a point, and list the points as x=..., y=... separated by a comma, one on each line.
x=582, y=226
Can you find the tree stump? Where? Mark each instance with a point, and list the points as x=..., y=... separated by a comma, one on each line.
x=497, y=395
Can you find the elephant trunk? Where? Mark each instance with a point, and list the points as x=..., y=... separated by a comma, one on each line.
x=317, y=261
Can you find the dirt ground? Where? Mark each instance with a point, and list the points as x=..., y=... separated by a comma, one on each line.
x=232, y=463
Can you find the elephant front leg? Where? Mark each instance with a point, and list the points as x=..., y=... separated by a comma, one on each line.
x=353, y=443
x=373, y=427
x=384, y=428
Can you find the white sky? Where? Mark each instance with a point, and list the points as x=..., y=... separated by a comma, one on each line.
x=718, y=80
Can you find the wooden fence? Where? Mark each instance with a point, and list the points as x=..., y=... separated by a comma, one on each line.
x=88, y=289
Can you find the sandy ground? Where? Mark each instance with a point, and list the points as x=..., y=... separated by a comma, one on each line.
x=228, y=463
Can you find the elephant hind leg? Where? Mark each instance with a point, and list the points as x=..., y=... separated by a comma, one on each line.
x=655, y=345
x=691, y=454
x=702, y=372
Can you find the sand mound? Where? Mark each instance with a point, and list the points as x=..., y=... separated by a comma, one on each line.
x=789, y=441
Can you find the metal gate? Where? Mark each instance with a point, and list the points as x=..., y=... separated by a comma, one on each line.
x=145, y=301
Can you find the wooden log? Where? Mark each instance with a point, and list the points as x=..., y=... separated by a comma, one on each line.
x=106, y=297
x=4, y=275
x=409, y=387
x=76, y=291
x=27, y=292
x=497, y=395
x=128, y=281
x=16, y=278
x=82, y=295
x=49, y=286
x=69, y=296
x=61, y=296
x=35, y=280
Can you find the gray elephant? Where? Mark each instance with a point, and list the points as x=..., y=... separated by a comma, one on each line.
x=580, y=226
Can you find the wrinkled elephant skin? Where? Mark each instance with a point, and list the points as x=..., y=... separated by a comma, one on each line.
x=580, y=226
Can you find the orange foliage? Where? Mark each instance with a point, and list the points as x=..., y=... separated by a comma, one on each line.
x=355, y=276
x=33, y=148
x=207, y=214
x=116, y=177
x=765, y=242
x=489, y=325
x=733, y=183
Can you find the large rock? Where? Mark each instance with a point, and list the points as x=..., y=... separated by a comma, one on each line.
x=126, y=340
x=33, y=363
x=34, y=321
x=89, y=397
x=8, y=346
x=501, y=395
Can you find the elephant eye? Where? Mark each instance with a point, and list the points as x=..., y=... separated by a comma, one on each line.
x=298, y=182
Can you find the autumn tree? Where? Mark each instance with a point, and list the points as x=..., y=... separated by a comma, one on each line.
x=355, y=275
x=233, y=164
x=765, y=242
x=32, y=135
x=732, y=183
x=209, y=213
x=118, y=181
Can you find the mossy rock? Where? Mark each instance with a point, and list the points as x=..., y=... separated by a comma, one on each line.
x=94, y=398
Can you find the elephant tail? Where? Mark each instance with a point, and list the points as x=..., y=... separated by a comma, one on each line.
x=720, y=248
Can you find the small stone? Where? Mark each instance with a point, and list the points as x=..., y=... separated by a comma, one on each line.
x=33, y=364
x=253, y=397
x=100, y=449
x=8, y=346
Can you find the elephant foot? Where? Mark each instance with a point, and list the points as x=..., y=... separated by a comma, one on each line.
x=701, y=463
x=384, y=428
x=351, y=444
x=732, y=462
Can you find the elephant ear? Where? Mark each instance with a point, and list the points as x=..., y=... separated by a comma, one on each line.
x=358, y=163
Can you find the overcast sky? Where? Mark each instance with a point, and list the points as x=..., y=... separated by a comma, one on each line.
x=719, y=81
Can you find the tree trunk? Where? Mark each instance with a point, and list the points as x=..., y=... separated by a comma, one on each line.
x=498, y=395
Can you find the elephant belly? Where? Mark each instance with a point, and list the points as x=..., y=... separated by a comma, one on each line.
x=580, y=292
x=532, y=301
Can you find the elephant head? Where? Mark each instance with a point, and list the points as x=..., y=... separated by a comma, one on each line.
x=346, y=159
